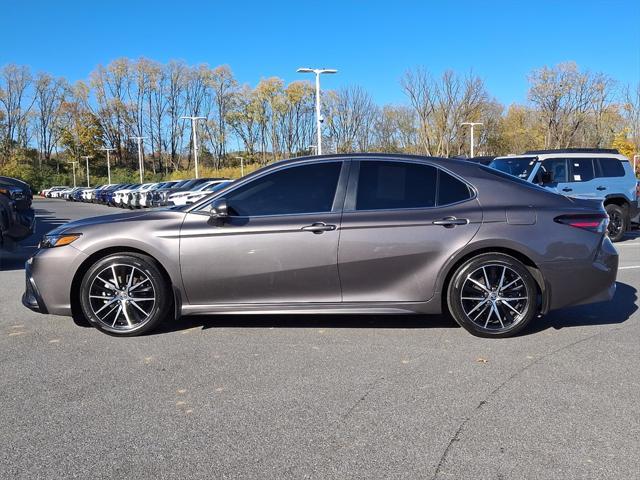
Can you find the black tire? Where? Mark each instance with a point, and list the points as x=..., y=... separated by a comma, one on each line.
x=618, y=222
x=128, y=321
x=468, y=301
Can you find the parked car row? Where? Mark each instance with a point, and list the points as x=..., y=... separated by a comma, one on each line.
x=145, y=195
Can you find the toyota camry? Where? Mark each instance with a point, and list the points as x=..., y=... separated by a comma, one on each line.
x=360, y=233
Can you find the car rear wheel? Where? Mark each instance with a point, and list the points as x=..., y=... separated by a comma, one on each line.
x=492, y=295
x=125, y=295
x=618, y=222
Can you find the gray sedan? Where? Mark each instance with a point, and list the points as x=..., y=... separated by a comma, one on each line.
x=361, y=233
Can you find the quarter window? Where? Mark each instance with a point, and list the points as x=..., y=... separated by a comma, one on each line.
x=610, y=167
x=394, y=185
x=294, y=190
x=451, y=190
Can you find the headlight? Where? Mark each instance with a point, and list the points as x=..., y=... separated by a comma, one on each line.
x=50, y=241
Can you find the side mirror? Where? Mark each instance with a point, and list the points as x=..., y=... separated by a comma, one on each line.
x=546, y=178
x=219, y=209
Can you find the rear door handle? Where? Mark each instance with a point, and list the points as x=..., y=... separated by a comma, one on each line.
x=450, y=222
x=567, y=189
x=318, y=227
x=601, y=188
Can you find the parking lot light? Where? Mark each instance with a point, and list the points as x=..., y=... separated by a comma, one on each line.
x=140, y=163
x=73, y=164
x=105, y=149
x=471, y=124
x=241, y=165
x=195, y=141
x=87, y=157
x=319, y=119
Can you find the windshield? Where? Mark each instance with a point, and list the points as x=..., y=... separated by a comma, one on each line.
x=518, y=167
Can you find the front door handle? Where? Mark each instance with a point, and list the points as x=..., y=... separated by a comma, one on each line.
x=567, y=189
x=318, y=227
x=450, y=222
x=601, y=188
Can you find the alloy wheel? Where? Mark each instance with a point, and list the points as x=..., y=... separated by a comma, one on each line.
x=122, y=297
x=494, y=297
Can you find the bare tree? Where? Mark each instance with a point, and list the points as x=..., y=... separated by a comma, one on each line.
x=14, y=90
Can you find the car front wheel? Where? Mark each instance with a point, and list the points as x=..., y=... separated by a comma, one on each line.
x=492, y=295
x=125, y=294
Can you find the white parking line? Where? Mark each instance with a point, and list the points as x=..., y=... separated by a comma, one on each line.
x=629, y=267
x=628, y=245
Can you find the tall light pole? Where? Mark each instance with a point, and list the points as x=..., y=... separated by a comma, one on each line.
x=195, y=141
x=87, y=157
x=241, y=165
x=471, y=125
x=105, y=149
x=319, y=118
x=73, y=164
x=140, y=163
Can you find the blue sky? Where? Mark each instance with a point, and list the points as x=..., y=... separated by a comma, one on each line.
x=371, y=43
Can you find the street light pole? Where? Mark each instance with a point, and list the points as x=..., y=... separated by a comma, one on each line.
x=73, y=165
x=87, y=157
x=471, y=125
x=140, y=163
x=105, y=149
x=241, y=165
x=195, y=141
x=319, y=119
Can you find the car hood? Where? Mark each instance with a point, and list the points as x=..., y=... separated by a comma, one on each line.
x=117, y=218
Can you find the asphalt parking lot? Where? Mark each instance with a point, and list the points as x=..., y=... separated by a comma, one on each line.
x=318, y=397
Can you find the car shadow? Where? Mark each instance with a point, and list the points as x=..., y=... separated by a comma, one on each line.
x=618, y=310
x=291, y=320
x=630, y=236
x=14, y=258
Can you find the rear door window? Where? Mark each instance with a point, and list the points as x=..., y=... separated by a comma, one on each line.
x=395, y=185
x=581, y=169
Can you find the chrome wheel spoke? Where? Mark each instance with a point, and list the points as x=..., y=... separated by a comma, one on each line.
x=494, y=309
x=112, y=301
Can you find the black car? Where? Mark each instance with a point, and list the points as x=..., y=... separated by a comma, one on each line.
x=17, y=218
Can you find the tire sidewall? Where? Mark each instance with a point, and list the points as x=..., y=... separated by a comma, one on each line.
x=146, y=265
x=618, y=209
x=457, y=281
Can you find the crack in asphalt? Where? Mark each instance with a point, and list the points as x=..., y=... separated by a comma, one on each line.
x=456, y=436
x=362, y=398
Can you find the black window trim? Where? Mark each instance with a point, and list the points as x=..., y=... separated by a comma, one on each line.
x=338, y=199
x=352, y=190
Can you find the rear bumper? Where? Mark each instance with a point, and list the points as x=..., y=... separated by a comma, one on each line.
x=571, y=283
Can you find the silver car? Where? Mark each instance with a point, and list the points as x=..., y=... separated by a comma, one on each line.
x=361, y=233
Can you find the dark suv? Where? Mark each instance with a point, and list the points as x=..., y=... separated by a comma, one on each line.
x=17, y=218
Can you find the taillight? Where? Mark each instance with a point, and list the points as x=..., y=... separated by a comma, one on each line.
x=596, y=222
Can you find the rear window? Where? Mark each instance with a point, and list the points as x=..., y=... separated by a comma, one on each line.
x=610, y=167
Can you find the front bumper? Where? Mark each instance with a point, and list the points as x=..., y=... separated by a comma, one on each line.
x=49, y=275
x=31, y=297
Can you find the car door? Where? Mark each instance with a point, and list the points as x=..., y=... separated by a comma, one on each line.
x=402, y=220
x=582, y=178
x=279, y=243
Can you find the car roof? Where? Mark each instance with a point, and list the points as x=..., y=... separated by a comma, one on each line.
x=544, y=156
